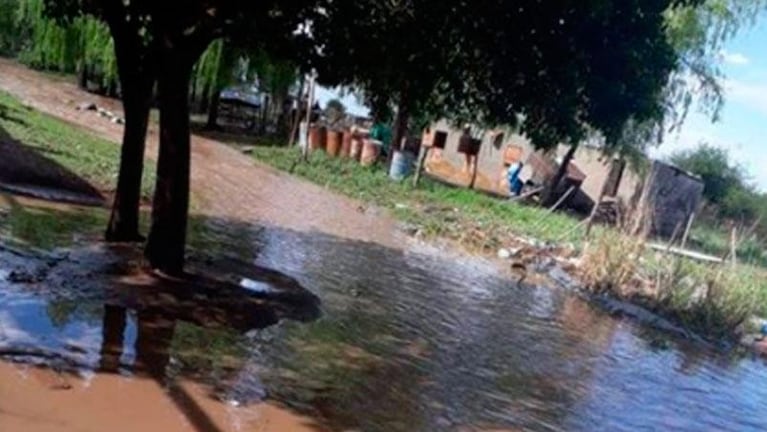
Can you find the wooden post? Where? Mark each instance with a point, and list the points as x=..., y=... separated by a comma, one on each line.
x=687, y=230
x=553, y=183
x=562, y=199
x=421, y=161
x=616, y=172
x=734, y=246
x=590, y=220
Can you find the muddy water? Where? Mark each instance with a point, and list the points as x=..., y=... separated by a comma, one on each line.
x=402, y=341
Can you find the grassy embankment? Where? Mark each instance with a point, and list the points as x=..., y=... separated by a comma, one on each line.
x=712, y=300
x=476, y=221
x=93, y=159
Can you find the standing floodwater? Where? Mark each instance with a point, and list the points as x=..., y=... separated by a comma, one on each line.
x=406, y=341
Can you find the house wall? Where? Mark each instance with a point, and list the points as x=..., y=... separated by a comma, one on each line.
x=597, y=168
x=587, y=159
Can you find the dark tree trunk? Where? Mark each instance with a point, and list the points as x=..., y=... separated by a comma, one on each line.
x=205, y=98
x=215, y=102
x=82, y=75
x=264, y=114
x=193, y=90
x=401, y=122
x=400, y=125
x=112, y=89
x=550, y=195
x=112, y=337
x=124, y=221
x=137, y=81
x=154, y=335
x=167, y=237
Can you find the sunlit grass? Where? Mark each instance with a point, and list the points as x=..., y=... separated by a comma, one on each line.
x=95, y=159
x=437, y=210
x=710, y=299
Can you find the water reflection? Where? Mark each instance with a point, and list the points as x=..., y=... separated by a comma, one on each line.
x=407, y=341
x=101, y=292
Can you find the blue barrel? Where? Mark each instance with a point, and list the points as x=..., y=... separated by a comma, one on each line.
x=401, y=165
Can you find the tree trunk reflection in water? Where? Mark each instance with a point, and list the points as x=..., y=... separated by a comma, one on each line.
x=155, y=333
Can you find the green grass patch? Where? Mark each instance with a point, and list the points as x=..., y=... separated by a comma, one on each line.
x=96, y=160
x=713, y=300
x=716, y=240
x=48, y=227
x=437, y=210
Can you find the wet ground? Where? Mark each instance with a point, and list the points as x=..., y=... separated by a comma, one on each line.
x=313, y=314
x=306, y=331
x=225, y=182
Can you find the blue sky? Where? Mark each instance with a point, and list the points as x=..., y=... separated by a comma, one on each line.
x=742, y=128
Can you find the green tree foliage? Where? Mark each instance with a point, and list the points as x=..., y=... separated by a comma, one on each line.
x=720, y=176
x=335, y=111
x=224, y=63
x=160, y=42
x=64, y=46
x=557, y=73
x=10, y=39
x=698, y=32
x=727, y=187
x=732, y=201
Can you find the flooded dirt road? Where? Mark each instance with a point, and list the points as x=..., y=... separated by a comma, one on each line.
x=404, y=338
x=409, y=340
x=225, y=182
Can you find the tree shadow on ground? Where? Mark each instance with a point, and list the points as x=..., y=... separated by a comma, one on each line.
x=24, y=170
x=110, y=281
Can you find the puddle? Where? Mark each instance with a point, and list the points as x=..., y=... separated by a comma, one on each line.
x=401, y=341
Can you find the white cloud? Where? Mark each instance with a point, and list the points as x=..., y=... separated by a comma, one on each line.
x=753, y=95
x=736, y=59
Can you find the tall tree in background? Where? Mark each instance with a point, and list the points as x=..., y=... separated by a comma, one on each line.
x=79, y=45
x=714, y=167
x=214, y=72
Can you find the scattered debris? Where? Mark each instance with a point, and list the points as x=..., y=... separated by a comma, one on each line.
x=87, y=106
x=505, y=253
x=248, y=149
x=410, y=229
x=90, y=106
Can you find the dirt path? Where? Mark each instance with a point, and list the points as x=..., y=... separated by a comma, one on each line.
x=41, y=400
x=231, y=185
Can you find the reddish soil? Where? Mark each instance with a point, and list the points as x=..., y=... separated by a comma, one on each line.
x=226, y=183
x=41, y=400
